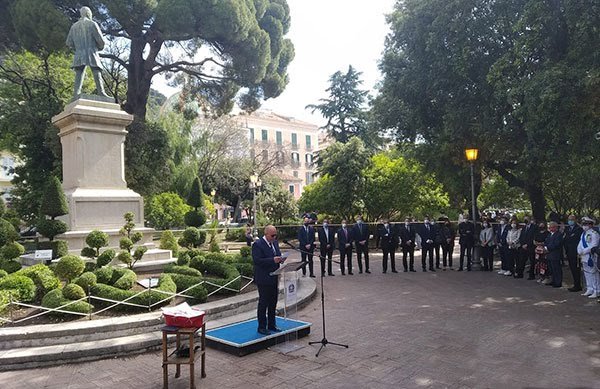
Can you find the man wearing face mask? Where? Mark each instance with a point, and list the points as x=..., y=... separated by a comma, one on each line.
x=527, y=251
x=448, y=235
x=587, y=250
x=326, y=244
x=344, y=236
x=553, y=246
x=572, y=239
x=427, y=233
x=466, y=240
x=388, y=237
x=361, y=237
x=501, y=234
x=306, y=237
x=407, y=241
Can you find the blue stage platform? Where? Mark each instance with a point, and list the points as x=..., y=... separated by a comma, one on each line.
x=243, y=338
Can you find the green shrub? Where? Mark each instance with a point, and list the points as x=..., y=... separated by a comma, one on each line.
x=183, y=282
x=125, y=257
x=194, y=198
x=55, y=299
x=12, y=250
x=195, y=218
x=5, y=299
x=54, y=202
x=224, y=273
x=10, y=265
x=3, y=273
x=44, y=279
x=105, y=258
x=69, y=267
x=166, y=210
x=24, y=286
x=183, y=259
x=88, y=252
x=104, y=274
x=86, y=280
x=125, y=243
x=165, y=283
x=139, y=252
x=73, y=292
x=171, y=268
x=246, y=251
x=169, y=242
x=126, y=281
x=51, y=228
x=192, y=237
x=222, y=257
x=214, y=247
x=245, y=269
x=59, y=248
x=89, y=266
x=236, y=234
x=196, y=262
x=97, y=239
x=117, y=272
x=8, y=233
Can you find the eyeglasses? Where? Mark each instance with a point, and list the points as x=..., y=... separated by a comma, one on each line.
x=273, y=235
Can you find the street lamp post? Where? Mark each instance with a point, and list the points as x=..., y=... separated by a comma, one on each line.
x=253, y=182
x=471, y=155
x=212, y=194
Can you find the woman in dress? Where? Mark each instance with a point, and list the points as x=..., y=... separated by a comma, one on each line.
x=541, y=265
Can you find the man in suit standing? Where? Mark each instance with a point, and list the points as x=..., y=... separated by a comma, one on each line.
x=501, y=234
x=361, y=237
x=266, y=257
x=306, y=237
x=388, y=238
x=527, y=251
x=466, y=240
x=326, y=245
x=573, y=233
x=427, y=234
x=407, y=235
x=554, y=246
x=344, y=236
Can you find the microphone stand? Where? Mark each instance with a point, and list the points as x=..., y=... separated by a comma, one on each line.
x=324, y=342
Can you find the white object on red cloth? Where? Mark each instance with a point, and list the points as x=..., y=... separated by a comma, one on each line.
x=183, y=315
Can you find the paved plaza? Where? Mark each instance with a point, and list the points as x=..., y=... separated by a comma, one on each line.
x=407, y=330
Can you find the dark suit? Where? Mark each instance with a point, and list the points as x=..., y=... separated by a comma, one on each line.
x=407, y=234
x=501, y=234
x=572, y=238
x=427, y=232
x=306, y=236
x=360, y=232
x=466, y=239
x=448, y=234
x=553, y=244
x=527, y=234
x=326, y=238
x=263, y=257
x=345, y=237
x=388, y=245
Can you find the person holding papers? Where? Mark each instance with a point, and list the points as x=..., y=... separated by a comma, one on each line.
x=267, y=258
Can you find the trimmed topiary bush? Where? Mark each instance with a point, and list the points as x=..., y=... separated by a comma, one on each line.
x=24, y=286
x=104, y=274
x=222, y=257
x=97, y=239
x=245, y=269
x=192, y=237
x=183, y=282
x=169, y=242
x=69, y=267
x=195, y=218
x=165, y=283
x=55, y=299
x=44, y=279
x=222, y=272
x=126, y=281
x=88, y=252
x=51, y=227
x=10, y=265
x=5, y=299
x=86, y=280
x=54, y=202
x=3, y=273
x=183, y=259
x=12, y=250
x=8, y=233
x=246, y=251
x=194, y=198
x=171, y=268
x=125, y=244
x=105, y=258
x=73, y=292
x=196, y=262
x=125, y=257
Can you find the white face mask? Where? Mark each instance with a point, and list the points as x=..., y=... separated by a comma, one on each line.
x=514, y=225
x=343, y=225
x=485, y=225
x=426, y=221
x=386, y=225
x=502, y=222
x=406, y=224
x=586, y=228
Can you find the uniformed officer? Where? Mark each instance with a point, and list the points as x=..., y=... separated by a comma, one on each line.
x=589, y=257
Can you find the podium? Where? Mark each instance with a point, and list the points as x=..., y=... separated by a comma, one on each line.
x=288, y=275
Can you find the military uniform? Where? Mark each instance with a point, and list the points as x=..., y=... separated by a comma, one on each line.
x=589, y=262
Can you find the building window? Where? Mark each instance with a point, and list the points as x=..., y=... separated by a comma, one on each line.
x=279, y=138
x=292, y=189
x=309, y=178
x=265, y=136
x=295, y=158
x=294, y=139
x=308, y=158
x=295, y=174
x=308, y=142
x=251, y=131
x=280, y=158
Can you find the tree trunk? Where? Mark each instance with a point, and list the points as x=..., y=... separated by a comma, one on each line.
x=138, y=81
x=538, y=201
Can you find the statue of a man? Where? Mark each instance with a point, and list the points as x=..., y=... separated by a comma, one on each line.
x=85, y=37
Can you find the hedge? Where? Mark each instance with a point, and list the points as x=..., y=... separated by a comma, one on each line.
x=246, y=251
x=245, y=269
x=3, y=273
x=165, y=283
x=226, y=273
x=45, y=280
x=185, y=270
x=104, y=275
x=123, y=278
x=184, y=282
x=55, y=299
x=12, y=250
x=86, y=280
x=9, y=265
x=69, y=267
x=24, y=286
x=73, y=292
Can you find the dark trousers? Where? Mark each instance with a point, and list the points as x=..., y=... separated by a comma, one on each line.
x=575, y=270
x=410, y=252
x=487, y=253
x=360, y=250
x=346, y=255
x=447, y=251
x=306, y=257
x=465, y=249
x=427, y=250
x=267, y=302
x=511, y=259
x=504, y=257
x=556, y=267
x=391, y=253
x=522, y=257
x=530, y=256
x=436, y=248
x=326, y=256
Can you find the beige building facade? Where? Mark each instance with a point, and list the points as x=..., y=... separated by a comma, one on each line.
x=285, y=144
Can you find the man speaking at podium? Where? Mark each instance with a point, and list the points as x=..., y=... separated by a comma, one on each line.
x=266, y=257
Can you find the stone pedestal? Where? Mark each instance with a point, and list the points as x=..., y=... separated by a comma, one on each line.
x=92, y=134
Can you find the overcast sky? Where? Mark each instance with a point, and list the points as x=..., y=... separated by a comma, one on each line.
x=328, y=35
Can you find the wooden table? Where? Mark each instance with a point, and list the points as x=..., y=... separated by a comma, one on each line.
x=173, y=359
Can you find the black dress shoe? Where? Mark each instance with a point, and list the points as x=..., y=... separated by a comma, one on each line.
x=574, y=289
x=424, y=270
x=405, y=270
x=275, y=329
x=557, y=286
x=394, y=271
x=350, y=273
x=263, y=331
x=385, y=271
x=360, y=272
x=468, y=269
x=368, y=271
x=432, y=269
x=331, y=275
